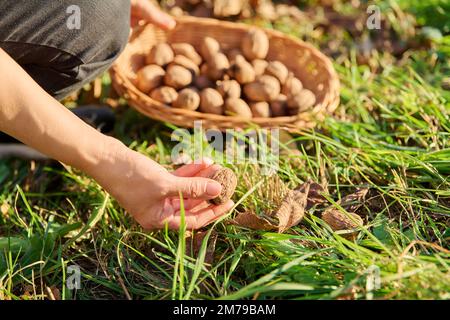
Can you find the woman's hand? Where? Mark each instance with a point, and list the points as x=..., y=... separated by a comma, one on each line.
x=144, y=10
x=144, y=188
x=151, y=194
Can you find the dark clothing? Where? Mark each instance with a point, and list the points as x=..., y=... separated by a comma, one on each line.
x=37, y=34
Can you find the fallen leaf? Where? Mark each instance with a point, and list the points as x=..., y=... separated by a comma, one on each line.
x=338, y=221
x=349, y=220
x=305, y=243
x=253, y=221
x=292, y=208
x=27, y=292
x=53, y=293
x=288, y=214
x=315, y=195
x=194, y=243
x=354, y=201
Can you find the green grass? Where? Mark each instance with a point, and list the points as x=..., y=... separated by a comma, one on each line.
x=391, y=133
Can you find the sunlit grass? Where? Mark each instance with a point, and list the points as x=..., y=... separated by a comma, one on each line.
x=391, y=134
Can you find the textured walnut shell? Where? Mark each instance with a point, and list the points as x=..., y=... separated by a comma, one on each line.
x=228, y=180
x=186, y=63
x=209, y=48
x=338, y=220
x=204, y=69
x=260, y=109
x=161, y=54
x=277, y=70
x=255, y=44
x=279, y=106
x=233, y=53
x=150, y=77
x=242, y=71
x=300, y=102
x=253, y=92
x=201, y=11
x=292, y=86
x=166, y=95
x=237, y=107
x=227, y=8
x=217, y=66
x=266, y=10
x=265, y=88
x=177, y=77
x=176, y=11
x=211, y=101
x=202, y=81
x=187, y=99
x=259, y=66
x=229, y=89
x=187, y=50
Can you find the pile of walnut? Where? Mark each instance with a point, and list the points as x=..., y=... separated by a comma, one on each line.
x=240, y=82
x=233, y=9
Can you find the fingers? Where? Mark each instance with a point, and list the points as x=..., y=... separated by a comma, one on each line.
x=149, y=12
x=188, y=203
x=201, y=218
x=194, y=188
x=191, y=180
x=209, y=172
x=192, y=169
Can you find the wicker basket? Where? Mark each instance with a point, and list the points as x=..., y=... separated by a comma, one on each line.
x=308, y=64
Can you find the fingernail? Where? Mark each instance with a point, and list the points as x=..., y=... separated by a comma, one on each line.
x=213, y=188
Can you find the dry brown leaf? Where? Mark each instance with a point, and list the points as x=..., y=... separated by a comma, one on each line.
x=354, y=201
x=315, y=195
x=253, y=221
x=194, y=244
x=287, y=207
x=27, y=292
x=53, y=293
x=338, y=220
x=292, y=209
x=288, y=214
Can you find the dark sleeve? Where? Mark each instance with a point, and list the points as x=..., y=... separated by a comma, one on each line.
x=43, y=38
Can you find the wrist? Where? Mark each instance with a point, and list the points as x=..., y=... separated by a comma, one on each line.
x=115, y=166
x=106, y=153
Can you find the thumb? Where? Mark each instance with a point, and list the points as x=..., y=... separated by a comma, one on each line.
x=195, y=188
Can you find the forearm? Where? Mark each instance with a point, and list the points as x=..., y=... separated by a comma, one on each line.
x=32, y=116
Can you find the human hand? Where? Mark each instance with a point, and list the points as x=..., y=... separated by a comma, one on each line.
x=151, y=194
x=144, y=188
x=144, y=10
